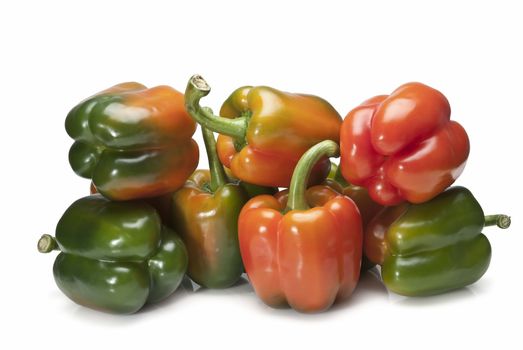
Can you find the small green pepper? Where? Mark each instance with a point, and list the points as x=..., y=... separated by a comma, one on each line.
x=115, y=256
x=433, y=247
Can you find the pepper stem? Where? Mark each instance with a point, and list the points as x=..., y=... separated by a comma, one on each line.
x=500, y=220
x=300, y=177
x=197, y=88
x=47, y=243
x=218, y=177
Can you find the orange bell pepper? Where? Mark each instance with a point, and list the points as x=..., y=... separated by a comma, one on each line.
x=264, y=131
x=297, y=255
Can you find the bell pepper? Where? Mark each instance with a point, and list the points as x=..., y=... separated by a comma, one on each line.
x=264, y=131
x=297, y=255
x=115, y=256
x=133, y=142
x=403, y=146
x=433, y=247
x=205, y=212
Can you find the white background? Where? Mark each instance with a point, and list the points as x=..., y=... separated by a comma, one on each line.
x=53, y=54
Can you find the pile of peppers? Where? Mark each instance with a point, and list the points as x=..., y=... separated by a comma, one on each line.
x=272, y=205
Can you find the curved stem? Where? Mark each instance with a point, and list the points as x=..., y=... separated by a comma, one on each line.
x=218, y=177
x=47, y=243
x=300, y=177
x=197, y=88
x=500, y=220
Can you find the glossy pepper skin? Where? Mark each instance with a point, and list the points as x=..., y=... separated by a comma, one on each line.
x=403, y=146
x=205, y=212
x=115, y=256
x=300, y=256
x=264, y=131
x=133, y=142
x=433, y=247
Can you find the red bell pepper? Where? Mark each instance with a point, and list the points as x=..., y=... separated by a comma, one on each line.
x=301, y=256
x=403, y=146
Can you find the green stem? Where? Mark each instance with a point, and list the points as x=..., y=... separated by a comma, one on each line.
x=500, y=220
x=47, y=243
x=197, y=88
x=218, y=177
x=300, y=177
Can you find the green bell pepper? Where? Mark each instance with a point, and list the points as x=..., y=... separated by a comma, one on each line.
x=433, y=247
x=115, y=256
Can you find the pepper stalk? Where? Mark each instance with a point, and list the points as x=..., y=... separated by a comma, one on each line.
x=197, y=88
x=300, y=177
x=500, y=220
x=218, y=176
x=47, y=244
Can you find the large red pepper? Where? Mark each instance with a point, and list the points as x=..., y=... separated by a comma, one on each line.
x=301, y=256
x=403, y=146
